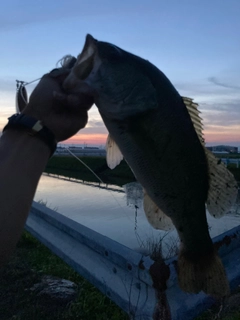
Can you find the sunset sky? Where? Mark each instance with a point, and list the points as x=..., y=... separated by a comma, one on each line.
x=195, y=43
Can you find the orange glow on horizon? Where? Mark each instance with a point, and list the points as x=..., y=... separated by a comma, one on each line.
x=97, y=138
x=221, y=134
x=218, y=137
x=222, y=138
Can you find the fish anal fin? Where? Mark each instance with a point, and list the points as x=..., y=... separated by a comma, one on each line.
x=223, y=187
x=114, y=155
x=155, y=216
x=205, y=274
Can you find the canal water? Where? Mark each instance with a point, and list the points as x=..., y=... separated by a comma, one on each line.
x=109, y=210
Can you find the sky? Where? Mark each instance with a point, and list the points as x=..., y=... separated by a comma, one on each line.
x=195, y=43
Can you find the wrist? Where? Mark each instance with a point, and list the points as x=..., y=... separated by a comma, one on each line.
x=32, y=127
x=32, y=146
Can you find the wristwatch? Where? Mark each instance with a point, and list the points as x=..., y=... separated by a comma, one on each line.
x=33, y=127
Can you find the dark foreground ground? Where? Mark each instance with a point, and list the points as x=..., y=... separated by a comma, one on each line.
x=31, y=261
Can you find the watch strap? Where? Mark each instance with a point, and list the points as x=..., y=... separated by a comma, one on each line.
x=33, y=127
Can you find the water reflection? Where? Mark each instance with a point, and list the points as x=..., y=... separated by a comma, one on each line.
x=114, y=212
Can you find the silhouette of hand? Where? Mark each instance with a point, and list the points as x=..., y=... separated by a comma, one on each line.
x=64, y=114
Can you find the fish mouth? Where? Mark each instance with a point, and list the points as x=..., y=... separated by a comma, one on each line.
x=85, y=60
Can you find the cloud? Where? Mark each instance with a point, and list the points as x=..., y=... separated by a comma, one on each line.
x=93, y=123
x=223, y=115
x=95, y=130
x=212, y=86
x=205, y=91
x=215, y=81
x=219, y=103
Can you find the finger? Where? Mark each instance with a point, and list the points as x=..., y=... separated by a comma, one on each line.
x=82, y=119
x=74, y=85
x=60, y=97
x=63, y=101
x=74, y=103
x=57, y=75
x=80, y=102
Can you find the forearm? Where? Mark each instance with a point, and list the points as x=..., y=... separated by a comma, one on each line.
x=22, y=161
x=23, y=157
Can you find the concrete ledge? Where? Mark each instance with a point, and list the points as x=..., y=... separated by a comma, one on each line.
x=123, y=274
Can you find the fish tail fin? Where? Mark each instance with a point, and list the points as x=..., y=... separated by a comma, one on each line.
x=206, y=274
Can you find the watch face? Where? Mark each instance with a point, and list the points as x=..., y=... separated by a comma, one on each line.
x=37, y=126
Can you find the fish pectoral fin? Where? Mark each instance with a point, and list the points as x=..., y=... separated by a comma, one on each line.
x=114, y=155
x=196, y=119
x=155, y=216
x=223, y=187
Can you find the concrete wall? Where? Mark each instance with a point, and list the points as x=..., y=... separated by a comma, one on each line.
x=123, y=274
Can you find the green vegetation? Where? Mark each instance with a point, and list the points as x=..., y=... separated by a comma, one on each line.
x=71, y=167
x=30, y=262
x=235, y=171
x=228, y=155
x=231, y=166
x=229, y=310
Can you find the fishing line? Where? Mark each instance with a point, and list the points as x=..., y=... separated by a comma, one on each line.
x=84, y=164
x=115, y=199
x=27, y=83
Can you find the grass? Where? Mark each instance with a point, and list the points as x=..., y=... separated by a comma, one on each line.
x=29, y=263
x=227, y=155
x=154, y=246
x=70, y=167
x=122, y=174
x=229, y=310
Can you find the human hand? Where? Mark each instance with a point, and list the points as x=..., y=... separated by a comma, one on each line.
x=64, y=114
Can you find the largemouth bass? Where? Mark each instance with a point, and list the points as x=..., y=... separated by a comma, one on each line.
x=151, y=126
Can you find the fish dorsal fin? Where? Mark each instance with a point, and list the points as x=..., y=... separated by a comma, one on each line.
x=156, y=217
x=223, y=188
x=114, y=155
x=193, y=111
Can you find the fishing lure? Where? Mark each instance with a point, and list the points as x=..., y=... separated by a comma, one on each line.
x=21, y=96
x=21, y=101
